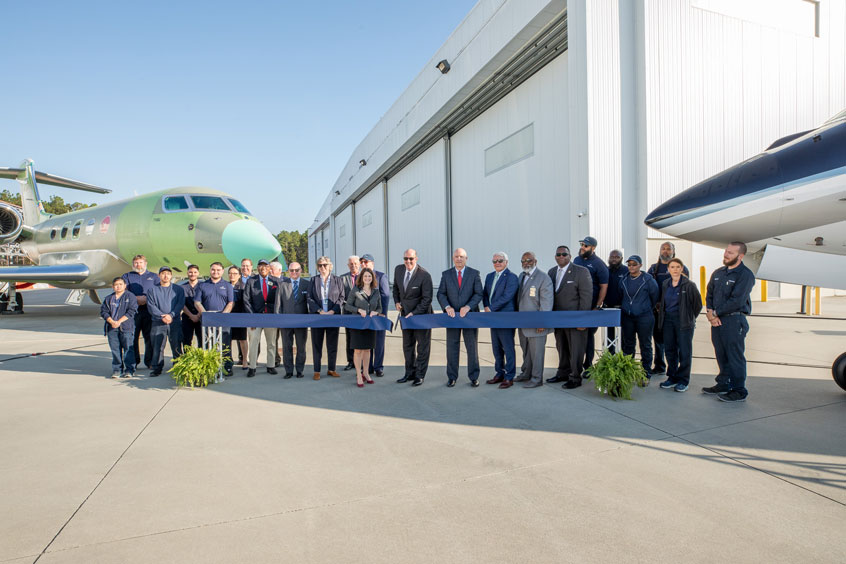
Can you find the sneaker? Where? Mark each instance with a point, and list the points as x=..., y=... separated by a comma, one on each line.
x=732, y=396
x=659, y=371
x=667, y=384
x=714, y=390
x=115, y=375
x=128, y=375
x=680, y=387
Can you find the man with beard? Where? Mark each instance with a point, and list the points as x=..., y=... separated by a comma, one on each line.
x=354, y=264
x=659, y=272
x=190, y=316
x=534, y=293
x=599, y=275
x=614, y=297
x=728, y=303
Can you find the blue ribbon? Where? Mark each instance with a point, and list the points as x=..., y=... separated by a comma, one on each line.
x=294, y=320
x=515, y=320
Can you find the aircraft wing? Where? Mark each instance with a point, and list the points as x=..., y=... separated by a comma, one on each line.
x=53, y=180
x=52, y=273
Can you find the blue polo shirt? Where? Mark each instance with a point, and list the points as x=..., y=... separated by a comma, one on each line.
x=138, y=284
x=214, y=296
x=598, y=272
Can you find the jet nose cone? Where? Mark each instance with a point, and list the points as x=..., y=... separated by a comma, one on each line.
x=249, y=239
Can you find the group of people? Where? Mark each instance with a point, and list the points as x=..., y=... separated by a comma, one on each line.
x=659, y=305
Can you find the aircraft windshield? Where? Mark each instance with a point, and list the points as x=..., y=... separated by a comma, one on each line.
x=175, y=203
x=838, y=117
x=239, y=206
x=209, y=203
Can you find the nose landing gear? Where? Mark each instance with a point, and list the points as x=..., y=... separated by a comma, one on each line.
x=838, y=370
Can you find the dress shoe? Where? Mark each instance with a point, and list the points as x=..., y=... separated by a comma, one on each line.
x=418, y=382
x=404, y=379
x=272, y=371
x=451, y=384
x=522, y=378
x=556, y=379
x=533, y=385
x=495, y=380
x=505, y=384
x=299, y=374
x=317, y=375
x=251, y=372
x=571, y=384
x=291, y=375
x=474, y=383
x=379, y=373
x=333, y=374
x=349, y=366
x=155, y=373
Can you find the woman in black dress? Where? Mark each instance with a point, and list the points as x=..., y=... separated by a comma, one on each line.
x=239, y=334
x=366, y=301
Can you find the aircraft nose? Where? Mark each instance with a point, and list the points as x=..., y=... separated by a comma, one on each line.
x=249, y=239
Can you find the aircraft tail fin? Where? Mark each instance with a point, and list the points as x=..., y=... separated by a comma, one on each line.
x=28, y=178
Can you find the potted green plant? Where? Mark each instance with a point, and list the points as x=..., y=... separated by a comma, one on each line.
x=617, y=374
x=197, y=366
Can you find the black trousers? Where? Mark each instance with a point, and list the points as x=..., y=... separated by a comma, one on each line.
x=590, y=345
x=453, y=345
x=416, y=344
x=570, y=344
x=190, y=330
x=143, y=324
x=288, y=336
x=331, y=334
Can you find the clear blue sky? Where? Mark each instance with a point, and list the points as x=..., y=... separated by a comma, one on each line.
x=264, y=100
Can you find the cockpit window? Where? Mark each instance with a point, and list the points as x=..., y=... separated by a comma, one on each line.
x=838, y=117
x=209, y=203
x=175, y=203
x=238, y=206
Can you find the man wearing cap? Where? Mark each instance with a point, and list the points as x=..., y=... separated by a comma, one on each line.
x=260, y=298
x=164, y=303
x=217, y=295
x=639, y=295
x=616, y=272
x=354, y=264
x=599, y=276
x=378, y=364
x=659, y=272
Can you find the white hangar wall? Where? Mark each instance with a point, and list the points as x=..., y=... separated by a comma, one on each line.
x=344, y=239
x=369, y=229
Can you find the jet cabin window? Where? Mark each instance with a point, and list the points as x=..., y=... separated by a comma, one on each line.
x=65, y=229
x=175, y=203
x=209, y=203
x=76, y=227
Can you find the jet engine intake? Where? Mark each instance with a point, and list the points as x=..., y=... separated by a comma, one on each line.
x=11, y=222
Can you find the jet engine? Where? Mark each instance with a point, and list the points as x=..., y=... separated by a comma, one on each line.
x=11, y=223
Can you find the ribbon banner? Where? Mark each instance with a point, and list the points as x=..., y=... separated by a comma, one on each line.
x=294, y=320
x=515, y=320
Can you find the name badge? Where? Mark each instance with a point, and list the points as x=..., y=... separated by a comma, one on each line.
x=533, y=292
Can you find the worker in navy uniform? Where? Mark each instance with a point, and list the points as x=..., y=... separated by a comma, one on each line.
x=378, y=365
x=292, y=297
x=354, y=265
x=138, y=281
x=460, y=292
x=659, y=272
x=640, y=294
x=165, y=302
x=613, y=297
x=413, y=293
x=260, y=298
x=118, y=310
x=599, y=276
x=678, y=309
x=498, y=294
x=191, y=325
x=217, y=295
x=325, y=297
x=728, y=303
x=239, y=334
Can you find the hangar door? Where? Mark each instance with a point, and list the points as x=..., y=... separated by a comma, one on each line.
x=370, y=226
x=343, y=239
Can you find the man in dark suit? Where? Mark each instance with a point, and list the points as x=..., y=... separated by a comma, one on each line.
x=460, y=291
x=354, y=264
x=413, y=296
x=499, y=295
x=378, y=364
x=292, y=298
x=572, y=291
x=325, y=296
x=260, y=297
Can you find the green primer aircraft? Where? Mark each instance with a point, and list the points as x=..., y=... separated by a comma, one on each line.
x=85, y=249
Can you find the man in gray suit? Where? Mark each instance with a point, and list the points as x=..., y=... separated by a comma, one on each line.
x=533, y=294
x=572, y=291
x=354, y=264
x=291, y=298
x=460, y=292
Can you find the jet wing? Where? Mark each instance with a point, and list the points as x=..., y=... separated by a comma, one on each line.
x=52, y=273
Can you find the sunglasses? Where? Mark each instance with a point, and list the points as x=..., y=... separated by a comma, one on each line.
x=294, y=269
x=562, y=254
x=321, y=265
x=527, y=261
x=497, y=261
x=409, y=259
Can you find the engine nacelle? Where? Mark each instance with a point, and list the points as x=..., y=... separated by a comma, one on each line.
x=11, y=223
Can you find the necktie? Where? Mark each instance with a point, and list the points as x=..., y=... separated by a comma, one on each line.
x=264, y=288
x=558, y=278
x=496, y=278
x=296, y=287
x=459, y=279
x=407, y=279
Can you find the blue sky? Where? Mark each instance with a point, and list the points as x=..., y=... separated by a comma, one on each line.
x=264, y=100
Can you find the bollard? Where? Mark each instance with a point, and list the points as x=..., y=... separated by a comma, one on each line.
x=763, y=290
x=702, y=286
x=817, y=301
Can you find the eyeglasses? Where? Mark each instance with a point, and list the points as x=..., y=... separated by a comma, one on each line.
x=497, y=261
x=562, y=254
x=409, y=259
x=527, y=261
x=321, y=265
x=294, y=269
